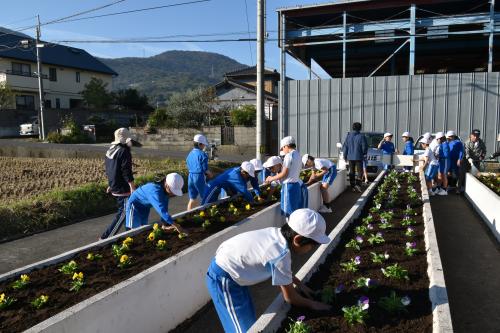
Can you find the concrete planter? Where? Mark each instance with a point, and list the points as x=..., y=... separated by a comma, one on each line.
x=274, y=315
x=485, y=202
x=159, y=298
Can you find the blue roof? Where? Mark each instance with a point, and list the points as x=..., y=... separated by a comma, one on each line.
x=52, y=54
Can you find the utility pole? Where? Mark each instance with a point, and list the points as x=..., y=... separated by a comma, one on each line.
x=39, y=45
x=260, y=148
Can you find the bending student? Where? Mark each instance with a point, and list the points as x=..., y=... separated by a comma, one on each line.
x=327, y=170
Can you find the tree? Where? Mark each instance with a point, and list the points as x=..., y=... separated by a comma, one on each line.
x=245, y=115
x=6, y=96
x=96, y=95
x=131, y=99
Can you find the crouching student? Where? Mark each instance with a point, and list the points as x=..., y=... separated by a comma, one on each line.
x=272, y=167
x=327, y=171
x=294, y=193
x=232, y=181
x=259, y=175
x=431, y=164
x=255, y=256
x=197, y=164
x=154, y=195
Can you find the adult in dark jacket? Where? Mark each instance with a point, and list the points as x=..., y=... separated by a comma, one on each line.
x=355, y=149
x=118, y=162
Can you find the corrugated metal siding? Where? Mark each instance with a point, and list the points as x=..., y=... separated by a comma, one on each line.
x=320, y=112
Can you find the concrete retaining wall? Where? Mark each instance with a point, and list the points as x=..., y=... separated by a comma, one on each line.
x=485, y=202
x=161, y=297
x=244, y=136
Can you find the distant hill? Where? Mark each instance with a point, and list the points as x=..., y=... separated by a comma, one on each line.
x=172, y=71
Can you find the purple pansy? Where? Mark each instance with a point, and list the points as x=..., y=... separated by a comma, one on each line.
x=301, y=318
x=370, y=226
x=405, y=301
x=411, y=245
x=359, y=239
x=340, y=288
x=379, y=234
x=364, y=302
x=357, y=260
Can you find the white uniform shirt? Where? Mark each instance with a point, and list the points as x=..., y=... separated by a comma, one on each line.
x=434, y=146
x=320, y=163
x=255, y=256
x=432, y=156
x=293, y=163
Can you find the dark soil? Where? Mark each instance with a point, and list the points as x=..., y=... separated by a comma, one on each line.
x=104, y=273
x=418, y=315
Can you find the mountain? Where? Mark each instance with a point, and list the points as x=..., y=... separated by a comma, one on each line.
x=173, y=71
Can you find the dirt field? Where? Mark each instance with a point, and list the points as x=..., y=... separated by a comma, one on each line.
x=24, y=177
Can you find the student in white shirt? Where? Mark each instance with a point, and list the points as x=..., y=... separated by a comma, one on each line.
x=255, y=256
x=431, y=164
x=293, y=191
x=327, y=170
x=272, y=167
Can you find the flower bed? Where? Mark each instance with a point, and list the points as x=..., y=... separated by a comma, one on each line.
x=483, y=193
x=105, y=265
x=378, y=279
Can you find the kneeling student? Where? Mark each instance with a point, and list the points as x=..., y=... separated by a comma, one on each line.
x=272, y=167
x=255, y=256
x=327, y=170
x=154, y=195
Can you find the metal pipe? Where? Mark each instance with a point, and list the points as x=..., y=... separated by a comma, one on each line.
x=344, y=44
x=412, y=39
x=492, y=32
x=389, y=58
x=260, y=148
x=283, y=94
x=39, y=45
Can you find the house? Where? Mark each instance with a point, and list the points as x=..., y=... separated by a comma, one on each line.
x=238, y=88
x=65, y=70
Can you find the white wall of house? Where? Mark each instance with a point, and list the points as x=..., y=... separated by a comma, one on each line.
x=233, y=97
x=64, y=88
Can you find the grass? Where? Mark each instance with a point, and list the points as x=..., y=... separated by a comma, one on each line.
x=61, y=207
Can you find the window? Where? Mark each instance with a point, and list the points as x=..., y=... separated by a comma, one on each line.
x=58, y=103
x=52, y=74
x=25, y=102
x=48, y=104
x=77, y=76
x=21, y=69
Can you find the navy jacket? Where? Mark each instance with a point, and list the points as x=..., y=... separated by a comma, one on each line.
x=355, y=146
x=118, y=164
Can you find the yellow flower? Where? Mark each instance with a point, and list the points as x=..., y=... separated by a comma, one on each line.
x=2, y=297
x=90, y=256
x=44, y=298
x=78, y=276
x=155, y=226
x=128, y=241
x=222, y=219
x=248, y=207
x=202, y=213
x=123, y=259
x=151, y=236
x=161, y=243
x=72, y=263
x=25, y=278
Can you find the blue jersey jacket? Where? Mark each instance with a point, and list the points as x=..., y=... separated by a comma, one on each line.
x=197, y=161
x=456, y=150
x=409, y=150
x=232, y=181
x=151, y=195
x=444, y=151
x=387, y=148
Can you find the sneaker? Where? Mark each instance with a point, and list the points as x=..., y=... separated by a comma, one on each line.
x=366, y=182
x=432, y=193
x=357, y=189
x=324, y=209
x=442, y=191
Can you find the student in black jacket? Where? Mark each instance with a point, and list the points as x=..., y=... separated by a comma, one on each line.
x=118, y=162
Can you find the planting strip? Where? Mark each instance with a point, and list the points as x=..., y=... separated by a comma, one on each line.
x=272, y=318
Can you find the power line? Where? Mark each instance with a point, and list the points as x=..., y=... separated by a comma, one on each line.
x=83, y=12
x=248, y=28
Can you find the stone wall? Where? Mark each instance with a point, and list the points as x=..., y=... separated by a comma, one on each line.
x=244, y=136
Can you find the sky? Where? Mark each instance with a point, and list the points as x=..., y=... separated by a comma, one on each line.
x=210, y=17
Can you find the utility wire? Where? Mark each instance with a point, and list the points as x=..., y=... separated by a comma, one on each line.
x=248, y=28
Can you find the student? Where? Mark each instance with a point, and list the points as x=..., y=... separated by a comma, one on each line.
x=154, y=195
x=197, y=164
x=444, y=164
x=387, y=147
x=272, y=167
x=293, y=195
x=409, y=149
x=456, y=155
x=431, y=164
x=233, y=180
x=255, y=256
x=366, y=181
x=435, y=141
x=118, y=163
x=327, y=170
x=259, y=174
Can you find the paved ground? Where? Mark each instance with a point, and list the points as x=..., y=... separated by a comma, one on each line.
x=44, y=245
x=471, y=264
x=264, y=293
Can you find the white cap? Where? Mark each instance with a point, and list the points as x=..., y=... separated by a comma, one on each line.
x=175, y=183
x=450, y=134
x=287, y=140
x=439, y=135
x=282, y=153
x=248, y=168
x=304, y=159
x=426, y=140
x=308, y=223
x=257, y=164
x=387, y=134
x=427, y=135
x=272, y=161
x=122, y=135
x=200, y=138
x=406, y=134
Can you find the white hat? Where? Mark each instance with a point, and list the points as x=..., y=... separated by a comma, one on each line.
x=450, y=134
x=406, y=134
x=272, y=161
x=200, y=138
x=175, y=183
x=308, y=223
x=305, y=158
x=426, y=140
x=257, y=164
x=387, y=134
x=287, y=140
x=122, y=135
x=282, y=153
x=248, y=168
x=439, y=135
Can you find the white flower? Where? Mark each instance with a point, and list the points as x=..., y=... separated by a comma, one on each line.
x=405, y=301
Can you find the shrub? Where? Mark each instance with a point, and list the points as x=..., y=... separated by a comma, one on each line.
x=244, y=116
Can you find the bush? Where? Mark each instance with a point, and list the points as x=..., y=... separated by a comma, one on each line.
x=244, y=116
x=76, y=135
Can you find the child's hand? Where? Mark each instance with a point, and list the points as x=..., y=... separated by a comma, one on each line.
x=269, y=179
